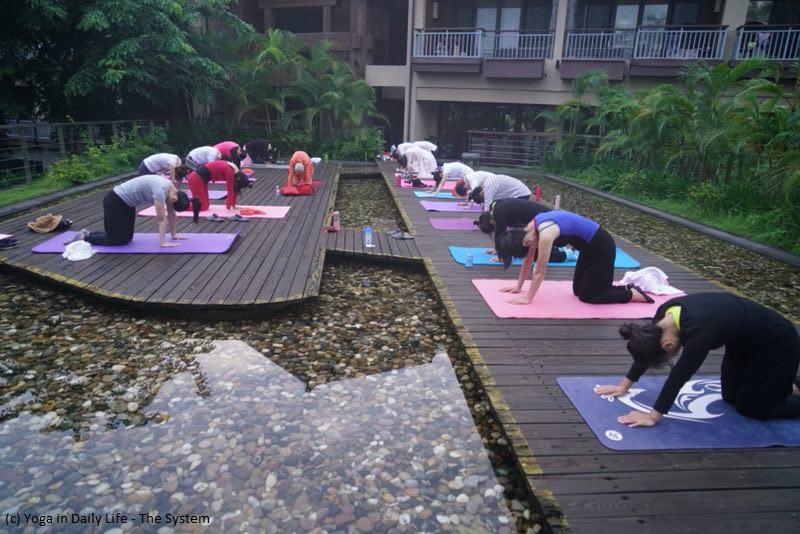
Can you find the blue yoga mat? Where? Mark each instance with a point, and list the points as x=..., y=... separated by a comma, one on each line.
x=699, y=419
x=623, y=260
x=442, y=194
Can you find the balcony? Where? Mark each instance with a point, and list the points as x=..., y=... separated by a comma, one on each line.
x=780, y=43
x=515, y=54
x=503, y=54
x=450, y=50
x=665, y=52
x=605, y=49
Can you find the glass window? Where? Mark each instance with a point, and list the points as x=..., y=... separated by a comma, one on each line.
x=685, y=13
x=486, y=15
x=597, y=16
x=511, y=15
x=538, y=15
x=341, y=16
x=655, y=15
x=758, y=12
x=299, y=19
x=626, y=17
x=785, y=12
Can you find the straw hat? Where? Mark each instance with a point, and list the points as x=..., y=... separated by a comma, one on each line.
x=45, y=223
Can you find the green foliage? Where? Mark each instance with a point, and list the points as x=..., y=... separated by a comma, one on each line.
x=359, y=145
x=290, y=141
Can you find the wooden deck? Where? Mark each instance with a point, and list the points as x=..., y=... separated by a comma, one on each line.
x=572, y=473
x=350, y=242
x=273, y=261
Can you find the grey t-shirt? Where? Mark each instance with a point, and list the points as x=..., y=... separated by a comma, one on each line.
x=143, y=190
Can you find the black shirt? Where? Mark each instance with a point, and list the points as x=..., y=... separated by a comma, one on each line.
x=518, y=212
x=709, y=321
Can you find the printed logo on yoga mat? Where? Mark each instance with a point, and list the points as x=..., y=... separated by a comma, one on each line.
x=693, y=403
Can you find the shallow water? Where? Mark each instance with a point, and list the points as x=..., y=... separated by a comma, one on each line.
x=105, y=411
x=366, y=202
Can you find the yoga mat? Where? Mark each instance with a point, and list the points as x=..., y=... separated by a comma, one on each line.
x=213, y=194
x=460, y=223
x=555, y=300
x=271, y=212
x=699, y=418
x=453, y=207
x=148, y=244
x=440, y=194
x=450, y=185
x=622, y=261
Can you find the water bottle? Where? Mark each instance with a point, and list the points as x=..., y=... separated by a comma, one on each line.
x=557, y=203
x=336, y=222
x=368, y=237
x=277, y=190
x=537, y=195
x=469, y=260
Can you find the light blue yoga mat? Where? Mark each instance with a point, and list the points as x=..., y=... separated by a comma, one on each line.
x=441, y=194
x=479, y=257
x=699, y=418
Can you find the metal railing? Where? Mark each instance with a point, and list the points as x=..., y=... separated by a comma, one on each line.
x=530, y=148
x=599, y=44
x=768, y=42
x=29, y=148
x=456, y=43
x=680, y=43
x=519, y=45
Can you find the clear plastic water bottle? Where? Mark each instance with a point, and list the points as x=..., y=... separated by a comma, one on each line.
x=469, y=260
x=277, y=190
x=557, y=203
x=368, y=237
x=441, y=352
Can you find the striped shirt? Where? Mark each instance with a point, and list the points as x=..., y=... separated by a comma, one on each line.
x=500, y=187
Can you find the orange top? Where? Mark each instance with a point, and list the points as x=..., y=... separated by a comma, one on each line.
x=306, y=177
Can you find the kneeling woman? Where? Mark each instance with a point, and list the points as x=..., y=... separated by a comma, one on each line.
x=513, y=213
x=301, y=170
x=419, y=163
x=762, y=351
x=215, y=171
x=594, y=273
x=496, y=187
x=121, y=204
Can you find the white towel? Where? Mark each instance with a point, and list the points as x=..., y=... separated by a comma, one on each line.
x=650, y=279
x=78, y=251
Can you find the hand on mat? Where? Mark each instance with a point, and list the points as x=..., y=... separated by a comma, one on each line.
x=519, y=300
x=613, y=391
x=636, y=418
x=169, y=244
x=494, y=259
x=490, y=251
x=177, y=237
x=510, y=289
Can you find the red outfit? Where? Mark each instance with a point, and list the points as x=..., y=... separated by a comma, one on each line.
x=225, y=148
x=221, y=171
x=294, y=180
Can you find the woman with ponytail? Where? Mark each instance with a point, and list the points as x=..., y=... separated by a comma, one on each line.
x=593, y=281
x=216, y=171
x=759, y=367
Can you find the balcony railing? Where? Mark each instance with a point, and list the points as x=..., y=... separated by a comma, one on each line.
x=768, y=42
x=680, y=43
x=531, y=148
x=599, y=44
x=457, y=43
x=519, y=45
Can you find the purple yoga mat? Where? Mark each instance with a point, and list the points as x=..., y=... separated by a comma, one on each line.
x=148, y=244
x=450, y=207
x=213, y=194
x=699, y=418
x=461, y=223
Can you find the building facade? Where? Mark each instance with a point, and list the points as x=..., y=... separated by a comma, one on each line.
x=463, y=71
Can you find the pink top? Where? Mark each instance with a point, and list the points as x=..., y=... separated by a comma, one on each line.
x=225, y=148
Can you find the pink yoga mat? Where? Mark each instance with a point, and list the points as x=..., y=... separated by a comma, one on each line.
x=555, y=300
x=460, y=223
x=149, y=244
x=429, y=183
x=270, y=212
x=213, y=194
x=453, y=207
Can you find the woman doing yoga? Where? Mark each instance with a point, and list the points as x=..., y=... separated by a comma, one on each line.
x=594, y=274
x=215, y=171
x=513, y=213
x=759, y=367
x=495, y=187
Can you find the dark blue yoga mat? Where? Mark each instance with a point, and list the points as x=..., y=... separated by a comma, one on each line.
x=699, y=419
x=622, y=261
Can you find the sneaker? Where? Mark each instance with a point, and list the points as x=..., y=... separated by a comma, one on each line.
x=394, y=233
x=401, y=235
x=79, y=236
x=214, y=218
x=238, y=218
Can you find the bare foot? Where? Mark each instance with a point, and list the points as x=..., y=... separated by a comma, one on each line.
x=795, y=390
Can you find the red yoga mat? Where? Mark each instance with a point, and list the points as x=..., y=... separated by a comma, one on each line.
x=555, y=300
x=270, y=212
x=148, y=244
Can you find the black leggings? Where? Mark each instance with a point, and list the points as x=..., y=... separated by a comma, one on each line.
x=594, y=273
x=758, y=381
x=118, y=220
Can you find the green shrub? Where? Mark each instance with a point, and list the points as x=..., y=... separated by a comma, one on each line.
x=70, y=171
x=707, y=196
x=362, y=145
x=291, y=141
